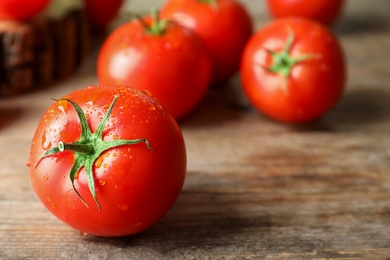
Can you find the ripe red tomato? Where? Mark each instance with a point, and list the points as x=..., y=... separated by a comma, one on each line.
x=120, y=186
x=224, y=26
x=324, y=11
x=21, y=10
x=293, y=70
x=101, y=12
x=162, y=57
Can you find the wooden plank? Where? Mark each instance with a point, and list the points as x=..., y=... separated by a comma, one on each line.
x=255, y=188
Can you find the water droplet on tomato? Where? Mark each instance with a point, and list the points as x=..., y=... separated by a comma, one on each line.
x=63, y=108
x=146, y=92
x=98, y=162
x=159, y=106
x=46, y=144
x=123, y=206
x=28, y=163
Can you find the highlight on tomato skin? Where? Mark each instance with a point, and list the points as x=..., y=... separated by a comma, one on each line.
x=293, y=70
x=107, y=160
x=324, y=11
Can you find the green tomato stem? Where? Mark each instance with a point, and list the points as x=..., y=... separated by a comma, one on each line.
x=158, y=26
x=282, y=62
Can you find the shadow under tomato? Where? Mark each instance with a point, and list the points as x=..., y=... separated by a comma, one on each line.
x=358, y=107
x=198, y=220
x=360, y=23
x=361, y=107
x=219, y=105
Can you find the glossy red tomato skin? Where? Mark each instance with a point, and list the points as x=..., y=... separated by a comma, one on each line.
x=101, y=12
x=173, y=66
x=224, y=28
x=314, y=86
x=135, y=186
x=324, y=11
x=21, y=10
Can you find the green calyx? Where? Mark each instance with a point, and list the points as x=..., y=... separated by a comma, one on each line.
x=282, y=62
x=88, y=148
x=158, y=26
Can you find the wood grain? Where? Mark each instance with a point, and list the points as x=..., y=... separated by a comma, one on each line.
x=255, y=189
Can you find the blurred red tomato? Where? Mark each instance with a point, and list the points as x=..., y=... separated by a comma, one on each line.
x=324, y=11
x=224, y=26
x=20, y=10
x=293, y=70
x=101, y=12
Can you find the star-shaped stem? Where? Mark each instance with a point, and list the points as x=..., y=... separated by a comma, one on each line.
x=283, y=63
x=88, y=148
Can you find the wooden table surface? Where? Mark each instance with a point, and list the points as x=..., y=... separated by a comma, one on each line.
x=255, y=188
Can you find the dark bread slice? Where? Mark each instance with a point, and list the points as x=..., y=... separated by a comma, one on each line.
x=38, y=53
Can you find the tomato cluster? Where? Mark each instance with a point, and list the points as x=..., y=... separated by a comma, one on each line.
x=177, y=53
x=110, y=160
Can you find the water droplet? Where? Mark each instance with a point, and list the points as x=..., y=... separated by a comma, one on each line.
x=98, y=162
x=28, y=163
x=146, y=92
x=123, y=206
x=46, y=144
x=63, y=108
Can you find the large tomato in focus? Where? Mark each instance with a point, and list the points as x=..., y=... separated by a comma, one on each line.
x=324, y=11
x=163, y=57
x=127, y=160
x=224, y=26
x=101, y=12
x=21, y=10
x=293, y=70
